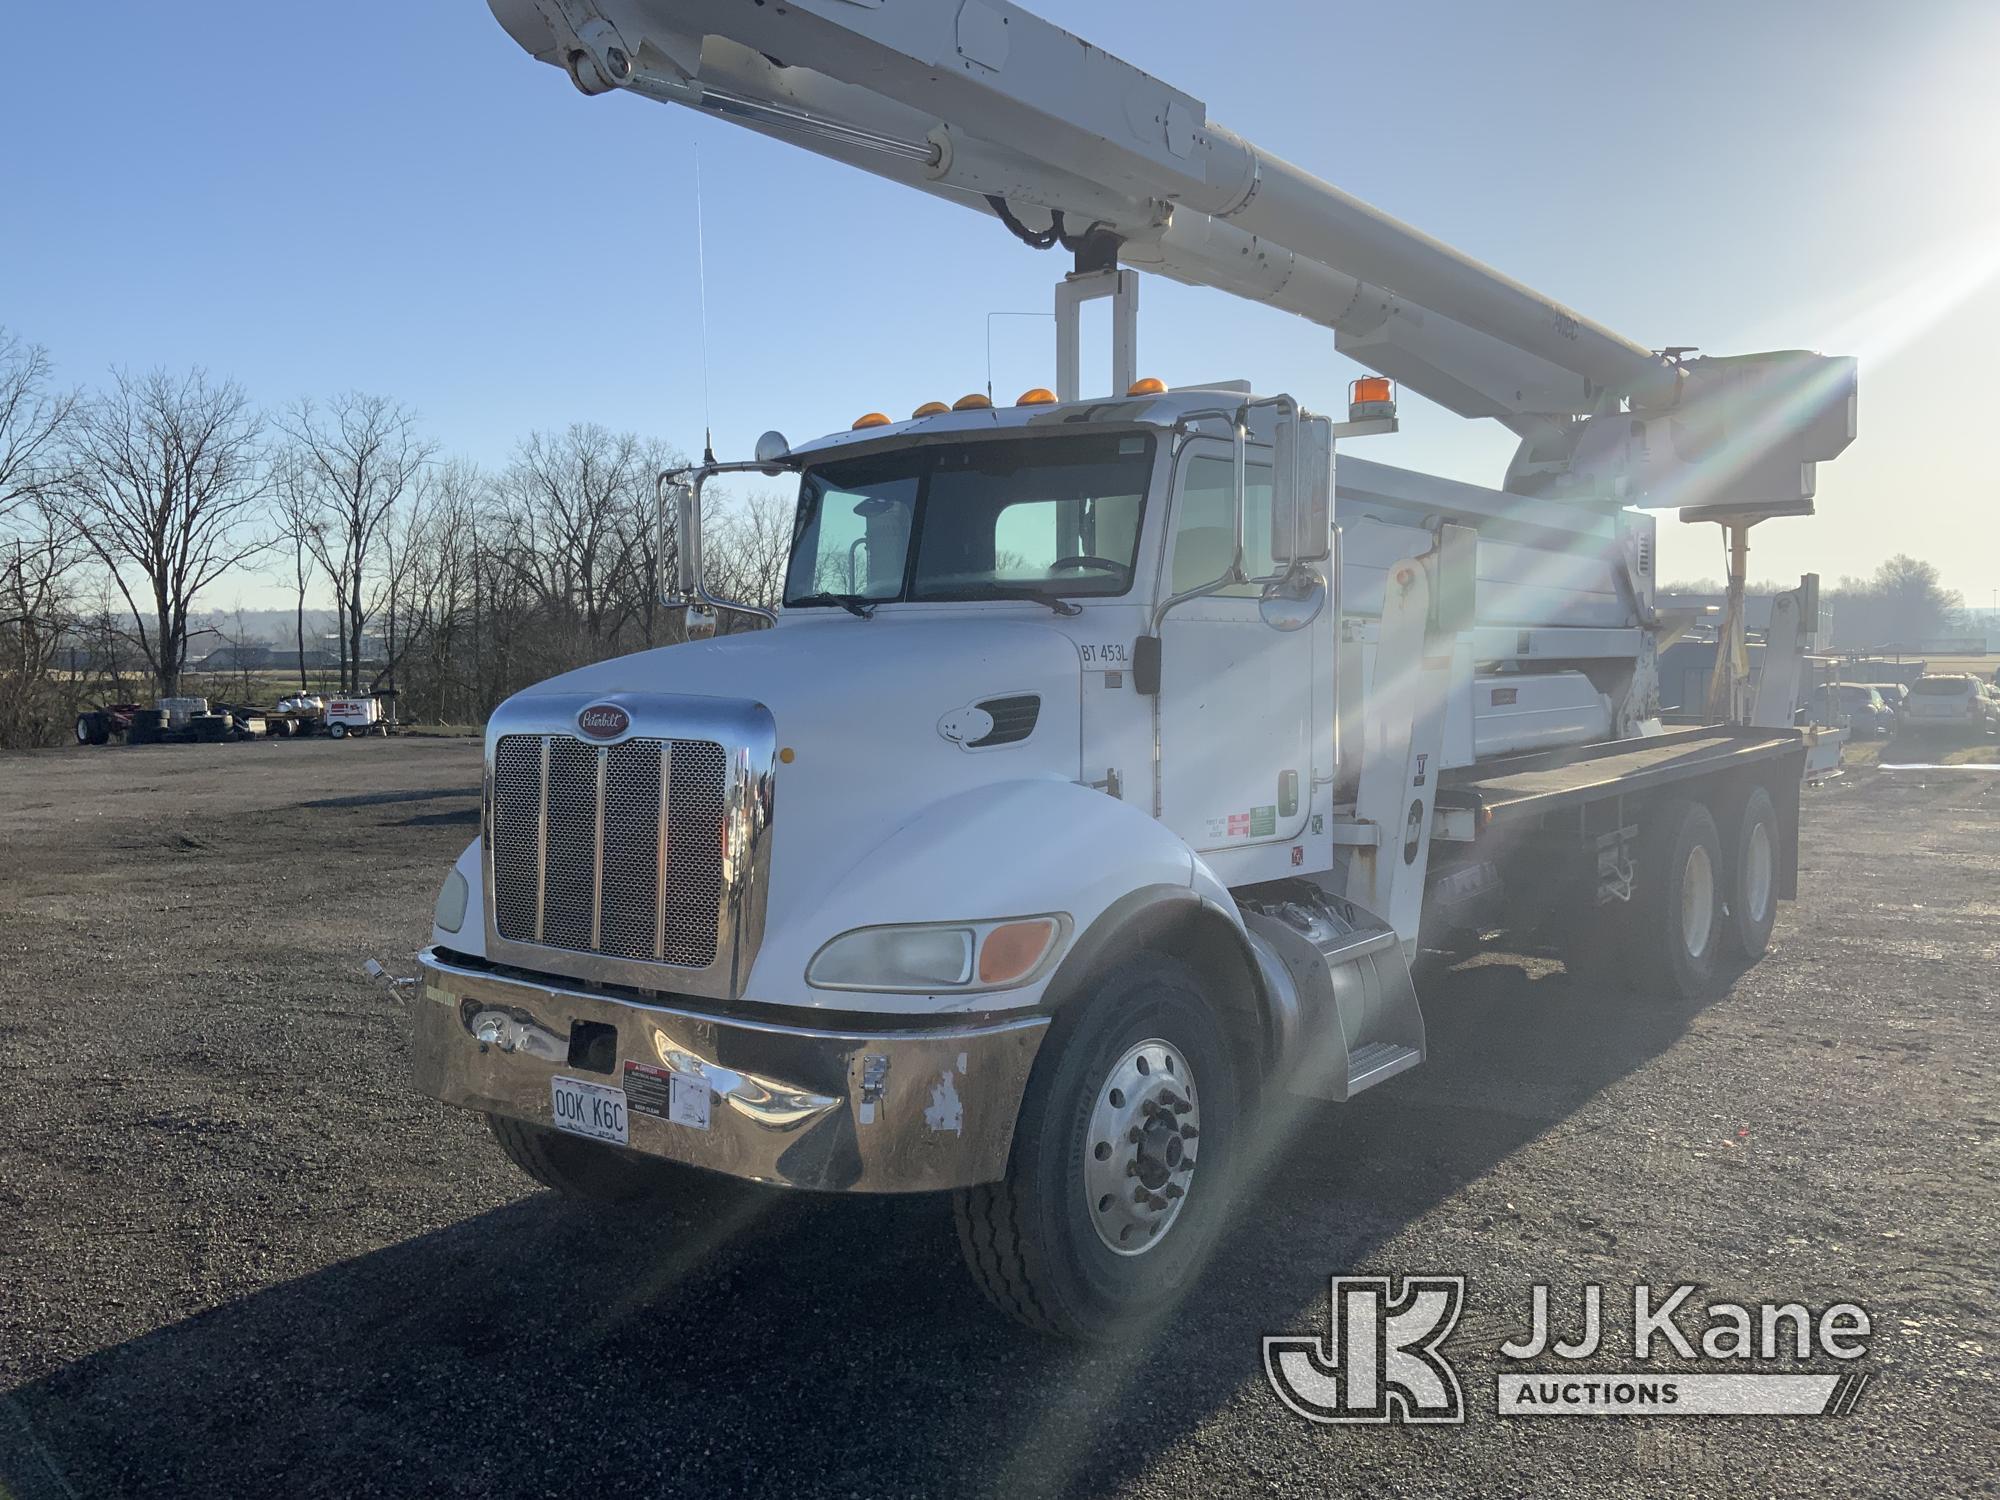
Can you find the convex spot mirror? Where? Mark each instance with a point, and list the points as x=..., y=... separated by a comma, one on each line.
x=1294, y=601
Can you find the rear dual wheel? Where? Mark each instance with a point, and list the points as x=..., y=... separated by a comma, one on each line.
x=1751, y=895
x=1677, y=916
x=1698, y=897
x=1667, y=939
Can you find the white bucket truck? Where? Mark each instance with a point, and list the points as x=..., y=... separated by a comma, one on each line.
x=1090, y=790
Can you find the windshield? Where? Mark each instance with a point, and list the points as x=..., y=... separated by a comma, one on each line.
x=1056, y=515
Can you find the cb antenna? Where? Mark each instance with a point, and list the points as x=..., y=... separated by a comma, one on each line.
x=701, y=282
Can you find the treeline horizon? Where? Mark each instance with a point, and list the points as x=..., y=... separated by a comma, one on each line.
x=123, y=506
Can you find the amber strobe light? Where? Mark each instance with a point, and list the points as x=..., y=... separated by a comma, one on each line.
x=1150, y=386
x=1039, y=396
x=1370, y=397
x=973, y=402
x=870, y=419
x=929, y=409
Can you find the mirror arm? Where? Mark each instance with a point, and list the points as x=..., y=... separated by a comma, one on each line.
x=692, y=588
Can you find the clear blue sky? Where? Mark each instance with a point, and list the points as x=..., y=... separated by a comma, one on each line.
x=389, y=195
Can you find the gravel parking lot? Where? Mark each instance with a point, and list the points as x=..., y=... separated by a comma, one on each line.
x=238, y=1255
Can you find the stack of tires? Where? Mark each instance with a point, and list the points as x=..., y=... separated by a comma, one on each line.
x=149, y=727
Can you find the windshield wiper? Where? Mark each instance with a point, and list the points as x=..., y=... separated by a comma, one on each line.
x=854, y=604
x=1055, y=602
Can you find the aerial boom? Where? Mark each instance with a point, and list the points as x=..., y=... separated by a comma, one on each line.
x=988, y=105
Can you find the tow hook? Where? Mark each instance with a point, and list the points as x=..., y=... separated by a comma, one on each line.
x=395, y=984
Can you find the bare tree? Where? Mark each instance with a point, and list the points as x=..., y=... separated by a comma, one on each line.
x=748, y=543
x=304, y=529
x=169, y=488
x=34, y=420
x=436, y=588
x=571, y=501
x=1900, y=605
x=359, y=457
x=37, y=615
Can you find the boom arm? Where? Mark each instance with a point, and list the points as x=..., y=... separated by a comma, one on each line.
x=981, y=102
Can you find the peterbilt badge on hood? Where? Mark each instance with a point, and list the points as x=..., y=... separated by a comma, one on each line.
x=604, y=721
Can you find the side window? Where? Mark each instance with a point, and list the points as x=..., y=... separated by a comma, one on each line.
x=1204, y=523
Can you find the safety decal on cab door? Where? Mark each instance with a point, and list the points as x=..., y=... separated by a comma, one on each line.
x=1257, y=823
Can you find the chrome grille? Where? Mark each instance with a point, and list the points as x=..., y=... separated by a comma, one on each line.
x=612, y=849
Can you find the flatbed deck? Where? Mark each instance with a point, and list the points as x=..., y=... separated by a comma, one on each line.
x=1547, y=781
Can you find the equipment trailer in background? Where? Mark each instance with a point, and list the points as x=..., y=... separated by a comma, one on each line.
x=1108, y=758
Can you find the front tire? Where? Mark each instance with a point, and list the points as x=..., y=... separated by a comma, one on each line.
x=1122, y=1163
x=337, y=731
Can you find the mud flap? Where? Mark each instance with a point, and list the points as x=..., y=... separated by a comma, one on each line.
x=1341, y=991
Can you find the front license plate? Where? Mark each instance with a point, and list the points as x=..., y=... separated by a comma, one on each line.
x=589, y=1109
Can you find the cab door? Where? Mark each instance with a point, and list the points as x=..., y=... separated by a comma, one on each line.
x=1235, y=753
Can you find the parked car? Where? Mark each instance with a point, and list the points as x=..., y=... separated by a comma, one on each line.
x=1895, y=694
x=1957, y=703
x=1867, y=713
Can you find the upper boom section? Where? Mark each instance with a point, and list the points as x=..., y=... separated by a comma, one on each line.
x=987, y=104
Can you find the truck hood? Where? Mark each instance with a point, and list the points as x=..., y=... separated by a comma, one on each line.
x=858, y=705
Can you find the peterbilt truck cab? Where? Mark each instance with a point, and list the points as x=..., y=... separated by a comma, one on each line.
x=807, y=905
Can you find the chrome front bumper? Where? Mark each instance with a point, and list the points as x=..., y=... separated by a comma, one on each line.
x=842, y=1111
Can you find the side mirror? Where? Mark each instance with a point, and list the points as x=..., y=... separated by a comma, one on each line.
x=1302, y=488
x=688, y=578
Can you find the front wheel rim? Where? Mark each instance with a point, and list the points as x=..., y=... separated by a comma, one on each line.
x=1697, y=901
x=1139, y=1152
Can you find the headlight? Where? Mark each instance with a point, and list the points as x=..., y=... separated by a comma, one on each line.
x=450, y=914
x=921, y=959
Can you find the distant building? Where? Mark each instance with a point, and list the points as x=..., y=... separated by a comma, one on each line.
x=255, y=656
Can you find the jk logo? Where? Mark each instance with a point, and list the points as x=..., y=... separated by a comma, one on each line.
x=1382, y=1362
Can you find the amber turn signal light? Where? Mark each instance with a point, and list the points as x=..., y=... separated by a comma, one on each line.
x=1013, y=949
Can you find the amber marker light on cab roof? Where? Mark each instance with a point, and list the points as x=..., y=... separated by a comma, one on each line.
x=973, y=402
x=929, y=409
x=1151, y=386
x=1039, y=396
x=869, y=419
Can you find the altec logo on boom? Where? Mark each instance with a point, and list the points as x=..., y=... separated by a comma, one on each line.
x=1383, y=1361
x=604, y=721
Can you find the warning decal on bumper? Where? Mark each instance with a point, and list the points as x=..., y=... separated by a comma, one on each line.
x=678, y=1098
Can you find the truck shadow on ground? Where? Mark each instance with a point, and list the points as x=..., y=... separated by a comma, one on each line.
x=806, y=1345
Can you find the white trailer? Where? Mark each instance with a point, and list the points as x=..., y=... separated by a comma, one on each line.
x=1109, y=758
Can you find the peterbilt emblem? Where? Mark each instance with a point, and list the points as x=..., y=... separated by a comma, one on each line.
x=604, y=721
